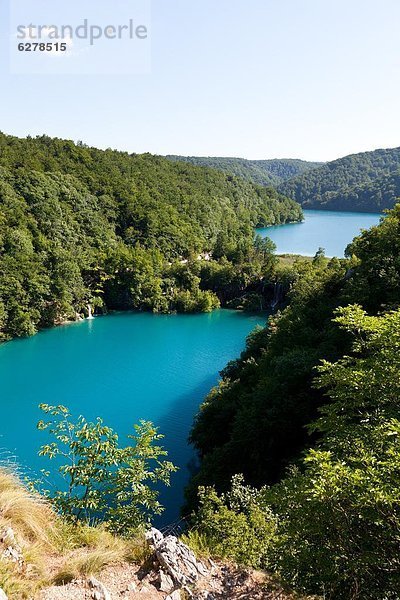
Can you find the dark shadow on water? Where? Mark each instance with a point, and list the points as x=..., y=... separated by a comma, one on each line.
x=176, y=426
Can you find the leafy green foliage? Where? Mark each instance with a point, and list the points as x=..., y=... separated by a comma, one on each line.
x=238, y=524
x=369, y=181
x=376, y=195
x=82, y=226
x=262, y=172
x=331, y=527
x=375, y=280
x=340, y=518
x=104, y=481
x=255, y=421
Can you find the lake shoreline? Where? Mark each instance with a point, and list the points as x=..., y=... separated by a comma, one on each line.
x=330, y=230
x=125, y=367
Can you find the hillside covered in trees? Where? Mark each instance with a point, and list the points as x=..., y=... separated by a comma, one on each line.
x=266, y=398
x=82, y=226
x=311, y=408
x=262, y=172
x=366, y=182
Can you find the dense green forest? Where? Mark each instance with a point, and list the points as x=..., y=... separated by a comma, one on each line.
x=311, y=408
x=82, y=226
x=365, y=182
x=376, y=195
x=254, y=421
x=262, y=172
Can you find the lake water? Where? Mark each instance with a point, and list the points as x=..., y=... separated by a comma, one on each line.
x=331, y=230
x=124, y=368
x=133, y=366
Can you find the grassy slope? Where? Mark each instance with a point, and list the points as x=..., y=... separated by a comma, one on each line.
x=57, y=556
x=52, y=550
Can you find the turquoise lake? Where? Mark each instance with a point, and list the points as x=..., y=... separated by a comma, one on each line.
x=331, y=230
x=133, y=366
x=124, y=368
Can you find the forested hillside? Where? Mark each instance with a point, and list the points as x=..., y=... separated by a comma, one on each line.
x=367, y=182
x=254, y=422
x=82, y=226
x=377, y=195
x=262, y=172
x=312, y=408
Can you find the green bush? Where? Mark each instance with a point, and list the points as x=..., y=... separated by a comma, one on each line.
x=339, y=519
x=332, y=526
x=238, y=525
x=104, y=482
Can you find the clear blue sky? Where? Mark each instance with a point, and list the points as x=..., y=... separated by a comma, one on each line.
x=312, y=79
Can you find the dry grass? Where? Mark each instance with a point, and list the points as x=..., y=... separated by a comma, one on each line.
x=199, y=543
x=28, y=514
x=33, y=523
x=94, y=548
x=53, y=550
x=84, y=564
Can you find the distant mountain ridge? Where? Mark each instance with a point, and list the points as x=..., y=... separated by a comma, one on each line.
x=268, y=173
x=365, y=182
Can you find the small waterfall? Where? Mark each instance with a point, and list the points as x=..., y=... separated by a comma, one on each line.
x=90, y=314
x=277, y=296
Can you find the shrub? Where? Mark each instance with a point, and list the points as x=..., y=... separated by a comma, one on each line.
x=105, y=482
x=238, y=524
x=339, y=519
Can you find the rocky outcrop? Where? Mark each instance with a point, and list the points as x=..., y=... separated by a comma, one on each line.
x=99, y=591
x=178, y=566
x=11, y=549
x=176, y=595
x=172, y=572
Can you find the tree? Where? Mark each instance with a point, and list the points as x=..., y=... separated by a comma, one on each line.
x=340, y=517
x=331, y=527
x=83, y=226
x=319, y=256
x=103, y=480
